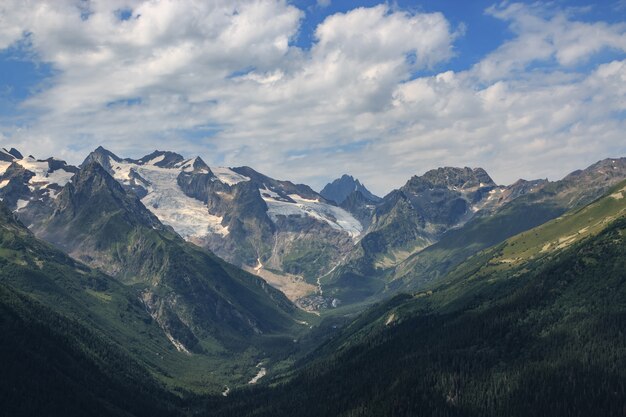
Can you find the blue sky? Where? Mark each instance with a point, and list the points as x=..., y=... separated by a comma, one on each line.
x=308, y=90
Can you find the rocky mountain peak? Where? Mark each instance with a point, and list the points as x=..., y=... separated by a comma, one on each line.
x=95, y=191
x=15, y=153
x=341, y=188
x=453, y=178
x=7, y=156
x=96, y=176
x=196, y=165
x=162, y=159
x=101, y=156
x=604, y=169
x=282, y=188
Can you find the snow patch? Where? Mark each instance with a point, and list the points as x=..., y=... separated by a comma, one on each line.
x=155, y=160
x=43, y=177
x=258, y=376
x=3, y=183
x=336, y=217
x=59, y=177
x=4, y=166
x=21, y=204
x=188, y=166
x=266, y=192
x=228, y=176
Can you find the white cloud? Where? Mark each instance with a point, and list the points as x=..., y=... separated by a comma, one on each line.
x=176, y=69
x=543, y=35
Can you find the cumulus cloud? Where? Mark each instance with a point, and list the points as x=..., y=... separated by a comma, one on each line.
x=215, y=78
x=545, y=35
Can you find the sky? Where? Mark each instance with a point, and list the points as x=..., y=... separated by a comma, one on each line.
x=310, y=90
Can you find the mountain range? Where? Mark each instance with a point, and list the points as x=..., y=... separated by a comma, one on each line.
x=318, y=251
x=164, y=278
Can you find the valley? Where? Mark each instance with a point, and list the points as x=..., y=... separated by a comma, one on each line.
x=312, y=208
x=125, y=250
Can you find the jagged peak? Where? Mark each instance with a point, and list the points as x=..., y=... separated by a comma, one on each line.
x=600, y=167
x=6, y=156
x=100, y=150
x=101, y=156
x=355, y=197
x=17, y=154
x=454, y=178
x=522, y=181
x=340, y=189
x=282, y=187
x=56, y=164
x=196, y=165
x=162, y=159
x=94, y=173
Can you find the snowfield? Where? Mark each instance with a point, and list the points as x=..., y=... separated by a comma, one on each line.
x=228, y=176
x=188, y=216
x=191, y=218
x=336, y=217
x=3, y=166
x=42, y=176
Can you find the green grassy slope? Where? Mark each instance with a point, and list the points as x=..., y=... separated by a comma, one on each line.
x=523, y=213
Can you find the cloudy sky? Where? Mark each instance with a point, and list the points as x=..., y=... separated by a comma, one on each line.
x=309, y=90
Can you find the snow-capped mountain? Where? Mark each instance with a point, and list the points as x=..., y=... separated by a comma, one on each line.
x=295, y=238
x=285, y=232
x=26, y=180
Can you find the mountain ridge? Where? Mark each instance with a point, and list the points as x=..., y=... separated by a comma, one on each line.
x=301, y=242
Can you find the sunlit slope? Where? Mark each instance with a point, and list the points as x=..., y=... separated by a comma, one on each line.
x=567, y=229
x=528, y=205
x=551, y=237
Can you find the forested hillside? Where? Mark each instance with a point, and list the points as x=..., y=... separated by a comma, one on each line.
x=543, y=337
